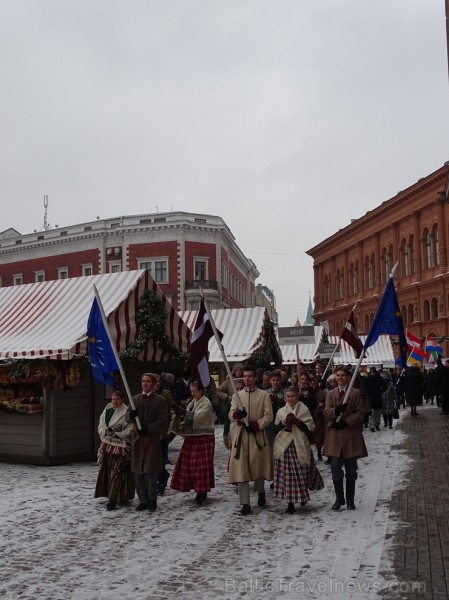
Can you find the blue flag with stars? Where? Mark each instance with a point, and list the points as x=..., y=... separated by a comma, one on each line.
x=101, y=354
x=388, y=319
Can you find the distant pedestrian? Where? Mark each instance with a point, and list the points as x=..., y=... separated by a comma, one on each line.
x=414, y=385
x=375, y=387
x=389, y=399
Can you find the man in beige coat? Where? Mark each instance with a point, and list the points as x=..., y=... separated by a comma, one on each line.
x=251, y=453
x=344, y=442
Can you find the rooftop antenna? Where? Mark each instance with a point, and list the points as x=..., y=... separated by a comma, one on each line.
x=46, y=224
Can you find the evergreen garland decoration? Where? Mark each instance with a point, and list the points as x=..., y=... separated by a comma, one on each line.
x=269, y=352
x=151, y=318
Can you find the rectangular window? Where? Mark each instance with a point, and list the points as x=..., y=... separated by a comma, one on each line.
x=63, y=273
x=18, y=279
x=39, y=276
x=115, y=267
x=160, y=271
x=158, y=267
x=200, y=270
x=87, y=270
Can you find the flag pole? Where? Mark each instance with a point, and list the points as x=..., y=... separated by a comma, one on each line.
x=335, y=349
x=362, y=354
x=117, y=358
x=223, y=355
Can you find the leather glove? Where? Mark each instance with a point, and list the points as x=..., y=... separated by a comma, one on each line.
x=341, y=408
x=340, y=425
x=302, y=426
x=240, y=414
x=133, y=413
x=143, y=432
x=249, y=428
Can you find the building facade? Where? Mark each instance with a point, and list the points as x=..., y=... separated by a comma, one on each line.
x=184, y=252
x=352, y=266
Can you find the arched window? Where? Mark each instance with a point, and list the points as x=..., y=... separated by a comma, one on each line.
x=339, y=285
x=369, y=272
x=434, y=308
x=410, y=318
x=405, y=266
x=411, y=255
x=384, y=272
x=404, y=314
x=366, y=323
x=427, y=247
x=327, y=296
x=435, y=246
x=426, y=310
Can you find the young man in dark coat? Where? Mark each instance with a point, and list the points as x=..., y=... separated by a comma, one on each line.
x=146, y=453
x=344, y=442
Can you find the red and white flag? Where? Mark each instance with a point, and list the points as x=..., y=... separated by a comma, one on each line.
x=199, y=346
x=351, y=337
x=412, y=341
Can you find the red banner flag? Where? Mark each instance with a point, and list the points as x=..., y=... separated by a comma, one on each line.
x=350, y=336
x=199, y=345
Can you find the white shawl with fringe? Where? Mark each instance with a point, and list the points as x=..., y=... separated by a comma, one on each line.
x=285, y=438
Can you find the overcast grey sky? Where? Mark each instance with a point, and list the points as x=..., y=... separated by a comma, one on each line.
x=287, y=118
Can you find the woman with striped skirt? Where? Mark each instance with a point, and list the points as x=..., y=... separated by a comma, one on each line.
x=194, y=468
x=115, y=480
x=295, y=471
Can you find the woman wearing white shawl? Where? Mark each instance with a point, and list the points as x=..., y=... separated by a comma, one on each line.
x=295, y=471
x=194, y=468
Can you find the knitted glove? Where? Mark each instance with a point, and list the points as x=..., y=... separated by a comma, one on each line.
x=341, y=408
x=240, y=414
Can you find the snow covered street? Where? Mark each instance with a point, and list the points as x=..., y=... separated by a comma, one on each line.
x=59, y=543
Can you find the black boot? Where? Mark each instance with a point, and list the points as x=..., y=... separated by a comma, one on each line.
x=261, y=501
x=340, y=501
x=350, y=492
x=320, y=456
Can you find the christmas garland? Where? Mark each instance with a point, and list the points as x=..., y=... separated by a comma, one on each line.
x=151, y=321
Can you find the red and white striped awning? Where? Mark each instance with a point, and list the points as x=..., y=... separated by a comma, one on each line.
x=49, y=320
x=380, y=353
x=242, y=329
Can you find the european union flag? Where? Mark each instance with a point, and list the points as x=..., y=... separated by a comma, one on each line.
x=388, y=319
x=101, y=354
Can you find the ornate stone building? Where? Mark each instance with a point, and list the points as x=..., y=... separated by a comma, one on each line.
x=352, y=266
x=183, y=251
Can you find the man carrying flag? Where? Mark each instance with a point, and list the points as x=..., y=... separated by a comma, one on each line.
x=199, y=346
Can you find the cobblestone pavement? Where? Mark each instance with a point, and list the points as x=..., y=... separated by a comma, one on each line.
x=420, y=548
x=58, y=543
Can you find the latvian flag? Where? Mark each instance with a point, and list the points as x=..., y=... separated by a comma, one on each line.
x=199, y=346
x=351, y=337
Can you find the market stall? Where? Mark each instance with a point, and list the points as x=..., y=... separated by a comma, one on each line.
x=49, y=403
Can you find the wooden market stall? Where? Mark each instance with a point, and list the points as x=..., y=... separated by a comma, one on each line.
x=49, y=403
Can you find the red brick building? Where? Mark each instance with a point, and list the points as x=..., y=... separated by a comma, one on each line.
x=183, y=251
x=352, y=266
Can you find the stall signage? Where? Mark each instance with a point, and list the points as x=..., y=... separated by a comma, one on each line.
x=296, y=335
x=327, y=350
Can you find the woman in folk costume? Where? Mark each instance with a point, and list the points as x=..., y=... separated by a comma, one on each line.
x=194, y=468
x=115, y=480
x=295, y=471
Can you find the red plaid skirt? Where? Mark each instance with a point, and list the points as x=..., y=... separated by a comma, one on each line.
x=194, y=469
x=292, y=480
